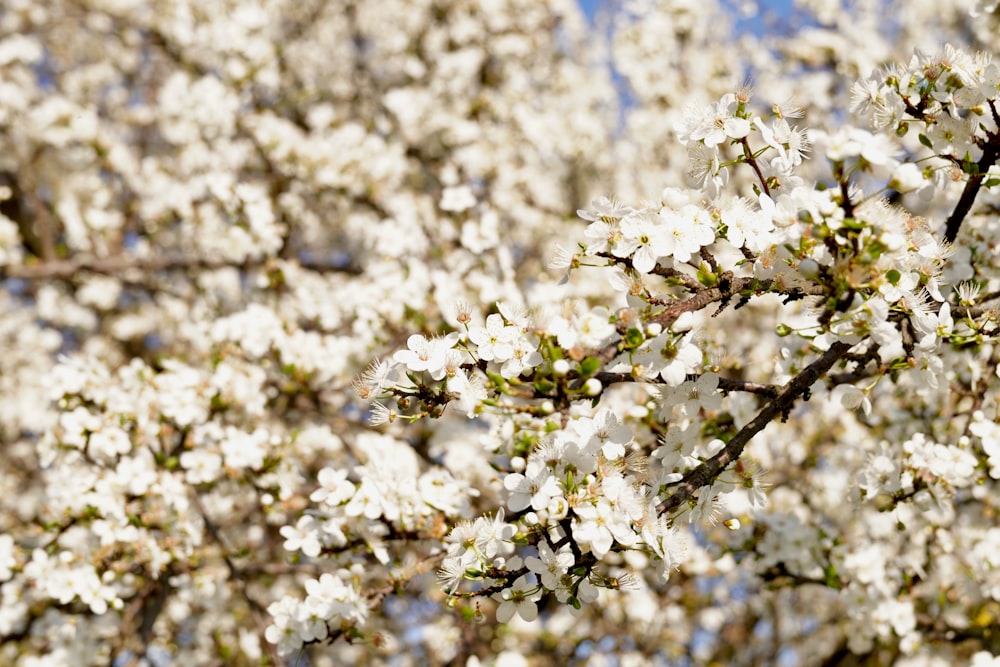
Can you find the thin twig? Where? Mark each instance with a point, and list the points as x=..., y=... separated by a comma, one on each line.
x=122, y=265
x=705, y=473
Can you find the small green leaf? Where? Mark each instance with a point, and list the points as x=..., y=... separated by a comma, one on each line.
x=544, y=386
x=706, y=276
x=634, y=338
x=589, y=366
x=831, y=578
x=969, y=166
x=925, y=141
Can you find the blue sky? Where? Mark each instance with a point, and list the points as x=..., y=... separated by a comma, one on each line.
x=589, y=6
x=779, y=7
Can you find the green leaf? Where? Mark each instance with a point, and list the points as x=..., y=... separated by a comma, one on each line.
x=589, y=366
x=831, y=577
x=634, y=338
x=544, y=386
x=925, y=140
x=969, y=166
x=706, y=276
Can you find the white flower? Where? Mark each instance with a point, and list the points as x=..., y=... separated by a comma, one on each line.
x=603, y=232
x=599, y=525
x=686, y=231
x=525, y=355
x=303, y=536
x=426, y=355
x=605, y=209
x=201, y=465
x=334, y=488
x=495, y=341
x=7, y=559
x=550, y=566
x=745, y=227
x=643, y=239
x=284, y=631
x=452, y=572
x=706, y=170
x=693, y=396
x=378, y=376
x=457, y=199
x=469, y=392
x=109, y=442
x=665, y=541
x=381, y=414
x=852, y=398
x=984, y=658
x=715, y=124
x=91, y=590
x=329, y=597
x=669, y=358
x=492, y=534
x=605, y=433
x=520, y=598
x=536, y=487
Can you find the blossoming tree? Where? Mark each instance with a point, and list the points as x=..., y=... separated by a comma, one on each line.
x=469, y=332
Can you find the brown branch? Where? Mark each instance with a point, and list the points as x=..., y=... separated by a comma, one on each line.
x=121, y=265
x=762, y=389
x=752, y=161
x=990, y=155
x=141, y=615
x=725, y=384
x=705, y=473
x=727, y=290
x=679, y=276
x=237, y=578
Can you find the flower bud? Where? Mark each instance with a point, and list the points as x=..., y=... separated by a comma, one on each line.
x=809, y=268
x=558, y=508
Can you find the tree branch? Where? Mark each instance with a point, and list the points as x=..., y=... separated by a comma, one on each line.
x=991, y=152
x=727, y=290
x=120, y=265
x=725, y=384
x=796, y=387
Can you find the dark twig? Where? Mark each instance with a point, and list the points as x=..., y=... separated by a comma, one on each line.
x=991, y=152
x=122, y=266
x=705, y=473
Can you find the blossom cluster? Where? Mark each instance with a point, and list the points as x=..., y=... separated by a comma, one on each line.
x=594, y=482
x=755, y=420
